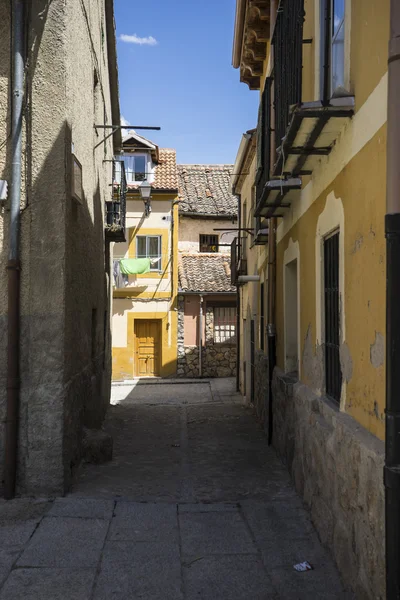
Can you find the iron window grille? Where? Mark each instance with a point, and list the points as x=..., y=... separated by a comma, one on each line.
x=208, y=243
x=333, y=372
x=288, y=62
x=225, y=325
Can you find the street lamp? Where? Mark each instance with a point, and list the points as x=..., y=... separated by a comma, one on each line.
x=145, y=193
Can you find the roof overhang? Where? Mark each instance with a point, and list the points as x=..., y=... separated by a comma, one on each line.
x=251, y=35
x=113, y=73
x=195, y=215
x=311, y=133
x=245, y=155
x=277, y=196
x=190, y=293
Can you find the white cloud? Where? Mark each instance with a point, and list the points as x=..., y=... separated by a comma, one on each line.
x=124, y=121
x=135, y=39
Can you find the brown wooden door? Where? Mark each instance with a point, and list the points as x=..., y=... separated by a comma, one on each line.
x=147, y=348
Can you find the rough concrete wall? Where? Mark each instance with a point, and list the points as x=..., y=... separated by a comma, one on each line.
x=190, y=230
x=62, y=245
x=337, y=467
x=87, y=300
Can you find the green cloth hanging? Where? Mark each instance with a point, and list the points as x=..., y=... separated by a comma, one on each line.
x=135, y=266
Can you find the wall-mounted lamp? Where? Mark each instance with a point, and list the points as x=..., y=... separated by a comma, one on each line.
x=145, y=193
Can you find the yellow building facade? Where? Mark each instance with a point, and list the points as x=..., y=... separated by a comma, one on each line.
x=319, y=182
x=145, y=303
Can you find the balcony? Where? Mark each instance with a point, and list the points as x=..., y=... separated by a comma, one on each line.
x=311, y=134
x=277, y=197
x=238, y=261
x=116, y=205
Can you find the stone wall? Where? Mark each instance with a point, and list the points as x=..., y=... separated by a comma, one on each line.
x=337, y=467
x=218, y=360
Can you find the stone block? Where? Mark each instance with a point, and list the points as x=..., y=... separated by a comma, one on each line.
x=97, y=446
x=149, y=571
x=49, y=584
x=233, y=577
x=214, y=533
x=142, y=522
x=65, y=543
x=82, y=508
x=203, y=507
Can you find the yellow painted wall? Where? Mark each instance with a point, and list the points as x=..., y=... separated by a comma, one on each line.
x=154, y=295
x=362, y=192
x=124, y=357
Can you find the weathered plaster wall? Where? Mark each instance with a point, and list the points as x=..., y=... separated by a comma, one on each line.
x=363, y=296
x=190, y=230
x=337, y=468
x=64, y=376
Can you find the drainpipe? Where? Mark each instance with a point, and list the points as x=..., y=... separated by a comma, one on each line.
x=238, y=302
x=200, y=336
x=271, y=327
x=13, y=266
x=392, y=230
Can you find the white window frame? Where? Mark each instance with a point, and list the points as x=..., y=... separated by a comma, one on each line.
x=153, y=269
x=149, y=172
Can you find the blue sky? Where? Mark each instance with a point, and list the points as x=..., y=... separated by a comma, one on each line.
x=175, y=71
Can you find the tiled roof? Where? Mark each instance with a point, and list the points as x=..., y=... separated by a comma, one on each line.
x=205, y=272
x=206, y=190
x=165, y=174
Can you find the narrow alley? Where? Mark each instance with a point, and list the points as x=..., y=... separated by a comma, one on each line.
x=194, y=505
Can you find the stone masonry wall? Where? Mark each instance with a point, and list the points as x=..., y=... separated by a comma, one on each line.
x=337, y=467
x=218, y=360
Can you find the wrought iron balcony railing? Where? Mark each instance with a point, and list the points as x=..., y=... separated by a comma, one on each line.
x=116, y=205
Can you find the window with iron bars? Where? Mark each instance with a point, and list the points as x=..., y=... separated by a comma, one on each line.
x=225, y=325
x=333, y=372
x=208, y=243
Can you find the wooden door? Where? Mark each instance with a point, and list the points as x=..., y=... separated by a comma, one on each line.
x=147, y=347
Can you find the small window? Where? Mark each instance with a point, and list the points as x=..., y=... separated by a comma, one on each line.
x=149, y=246
x=291, y=317
x=332, y=46
x=225, y=325
x=333, y=372
x=135, y=168
x=208, y=243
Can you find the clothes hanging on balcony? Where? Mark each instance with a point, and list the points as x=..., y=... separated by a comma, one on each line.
x=135, y=266
x=120, y=279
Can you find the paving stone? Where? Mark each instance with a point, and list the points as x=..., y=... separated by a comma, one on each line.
x=149, y=571
x=283, y=551
x=269, y=520
x=23, y=509
x=82, y=508
x=65, y=542
x=13, y=537
x=214, y=533
x=48, y=584
x=212, y=507
x=140, y=522
x=227, y=577
x=322, y=583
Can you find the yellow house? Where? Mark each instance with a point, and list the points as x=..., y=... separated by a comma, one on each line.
x=312, y=346
x=145, y=268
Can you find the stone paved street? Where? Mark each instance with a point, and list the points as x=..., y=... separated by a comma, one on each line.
x=194, y=506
